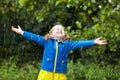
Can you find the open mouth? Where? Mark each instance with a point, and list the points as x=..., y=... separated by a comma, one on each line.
x=59, y=33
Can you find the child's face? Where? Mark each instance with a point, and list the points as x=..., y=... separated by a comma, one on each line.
x=58, y=31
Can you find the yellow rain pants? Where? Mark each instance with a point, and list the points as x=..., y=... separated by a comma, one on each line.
x=45, y=75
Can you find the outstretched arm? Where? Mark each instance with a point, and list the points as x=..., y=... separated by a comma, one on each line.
x=86, y=43
x=31, y=36
x=98, y=41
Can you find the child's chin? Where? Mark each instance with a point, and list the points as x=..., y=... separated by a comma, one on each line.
x=59, y=35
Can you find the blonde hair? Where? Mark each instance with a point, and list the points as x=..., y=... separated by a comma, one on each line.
x=47, y=36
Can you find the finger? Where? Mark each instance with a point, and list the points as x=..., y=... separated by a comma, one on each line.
x=99, y=38
x=19, y=27
x=13, y=28
x=103, y=43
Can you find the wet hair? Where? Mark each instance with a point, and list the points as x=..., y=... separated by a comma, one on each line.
x=47, y=36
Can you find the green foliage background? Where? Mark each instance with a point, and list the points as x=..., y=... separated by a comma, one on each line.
x=83, y=20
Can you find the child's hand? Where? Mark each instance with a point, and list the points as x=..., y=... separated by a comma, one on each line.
x=17, y=30
x=100, y=42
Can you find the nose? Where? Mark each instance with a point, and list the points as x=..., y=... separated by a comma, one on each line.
x=61, y=32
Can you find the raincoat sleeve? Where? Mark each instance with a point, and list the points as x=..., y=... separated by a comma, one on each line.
x=34, y=37
x=80, y=44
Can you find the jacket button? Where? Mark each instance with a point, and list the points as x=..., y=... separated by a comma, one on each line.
x=48, y=59
x=62, y=61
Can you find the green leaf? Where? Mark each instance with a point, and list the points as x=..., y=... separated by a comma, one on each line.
x=59, y=2
x=78, y=24
x=22, y=3
x=93, y=1
x=89, y=11
x=68, y=28
x=85, y=8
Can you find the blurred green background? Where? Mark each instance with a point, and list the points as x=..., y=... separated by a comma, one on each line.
x=84, y=19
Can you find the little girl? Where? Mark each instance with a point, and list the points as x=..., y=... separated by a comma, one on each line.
x=57, y=45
